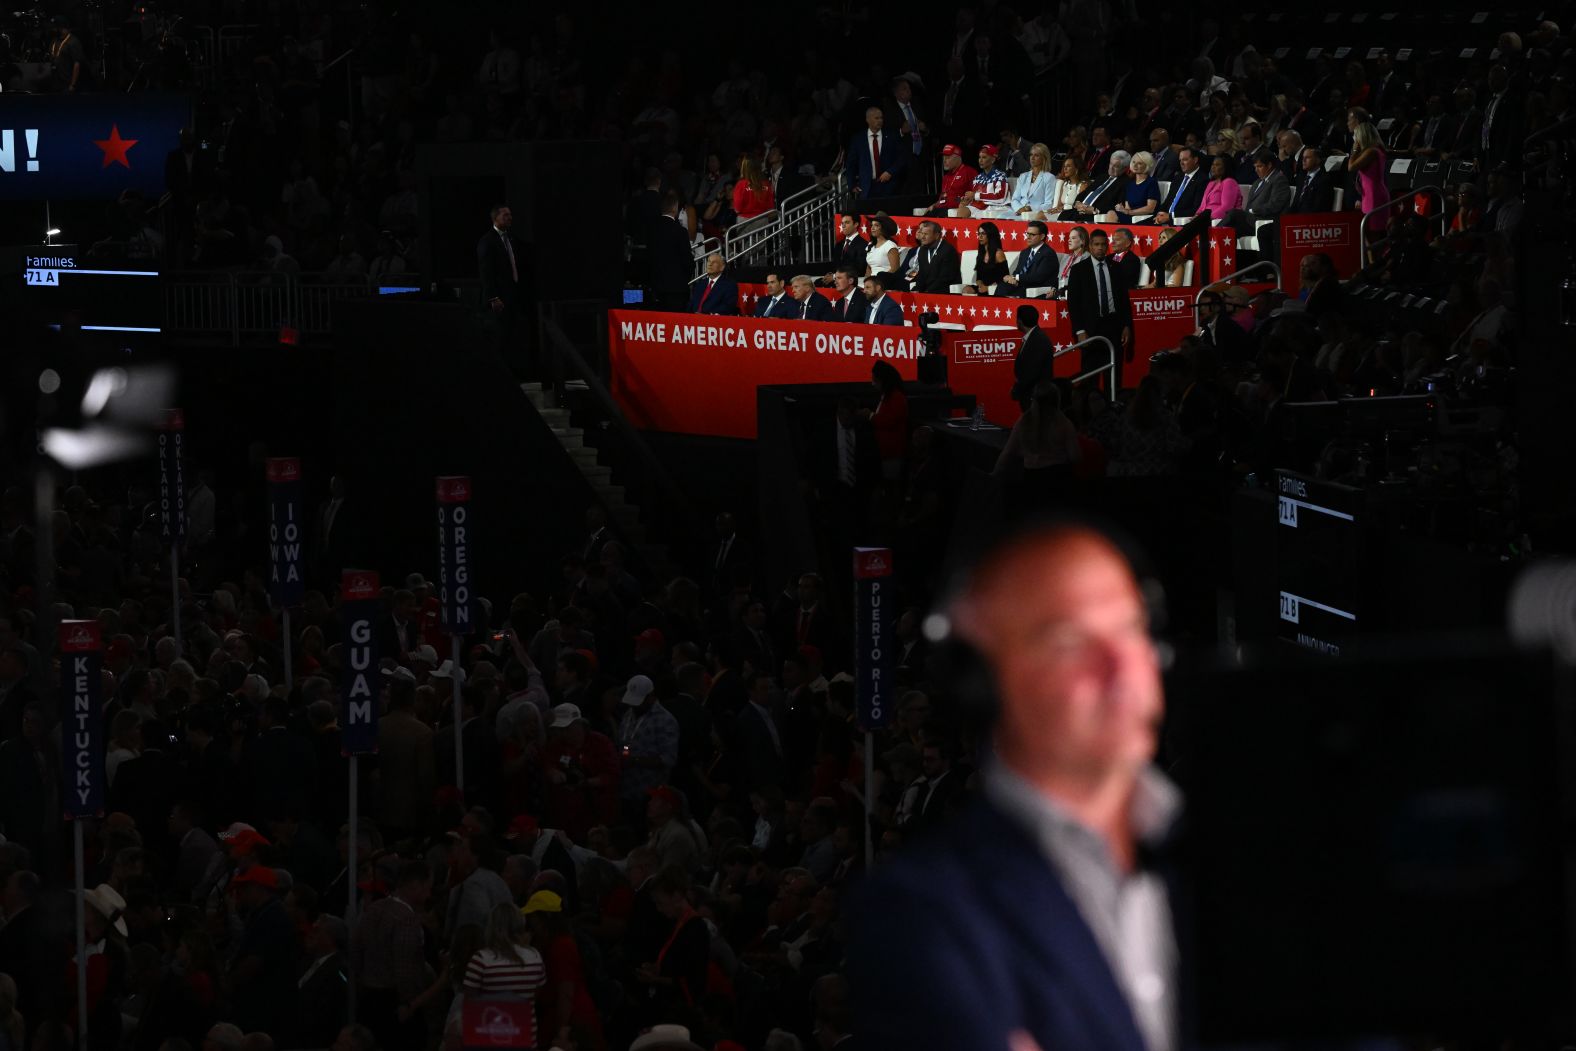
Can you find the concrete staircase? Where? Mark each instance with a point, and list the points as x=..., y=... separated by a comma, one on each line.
x=622, y=515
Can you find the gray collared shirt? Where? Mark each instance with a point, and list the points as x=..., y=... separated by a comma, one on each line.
x=1128, y=913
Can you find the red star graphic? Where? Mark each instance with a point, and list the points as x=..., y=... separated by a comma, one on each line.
x=115, y=147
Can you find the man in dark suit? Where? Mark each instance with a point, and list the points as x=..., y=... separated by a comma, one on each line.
x=1097, y=305
x=932, y=265
x=850, y=305
x=757, y=739
x=880, y=308
x=1033, y=362
x=1187, y=190
x=732, y=556
x=1314, y=191
x=714, y=294
x=1101, y=197
x=1100, y=149
x=851, y=247
x=905, y=114
x=321, y=1006
x=776, y=302
x=1217, y=329
x=877, y=157
x=1267, y=198
x=672, y=259
x=806, y=303
x=1035, y=266
x=1469, y=123
x=988, y=935
x=499, y=260
x=962, y=107
x=1439, y=128
x=1500, y=135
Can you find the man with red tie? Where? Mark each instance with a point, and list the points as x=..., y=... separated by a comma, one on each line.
x=851, y=304
x=877, y=157
x=714, y=294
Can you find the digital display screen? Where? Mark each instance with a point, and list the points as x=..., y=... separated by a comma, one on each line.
x=1318, y=560
x=67, y=291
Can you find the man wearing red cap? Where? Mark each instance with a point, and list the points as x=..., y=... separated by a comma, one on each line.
x=671, y=837
x=990, y=188
x=263, y=977
x=956, y=178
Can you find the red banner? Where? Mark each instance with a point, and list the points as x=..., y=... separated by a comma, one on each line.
x=964, y=234
x=1333, y=233
x=697, y=374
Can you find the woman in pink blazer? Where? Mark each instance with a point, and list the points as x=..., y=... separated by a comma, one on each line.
x=1223, y=193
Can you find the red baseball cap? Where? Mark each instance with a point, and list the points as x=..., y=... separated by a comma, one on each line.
x=950, y=150
x=652, y=635
x=667, y=795
x=990, y=150
x=523, y=825
x=244, y=842
x=259, y=875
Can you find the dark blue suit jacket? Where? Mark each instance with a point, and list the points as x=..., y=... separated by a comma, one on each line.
x=724, y=299
x=816, y=308
x=787, y=307
x=887, y=312
x=895, y=155
x=969, y=936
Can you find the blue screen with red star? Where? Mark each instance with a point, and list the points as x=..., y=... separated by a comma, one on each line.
x=87, y=147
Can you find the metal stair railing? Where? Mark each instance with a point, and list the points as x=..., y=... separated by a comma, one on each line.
x=1110, y=366
x=1362, y=224
x=808, y=233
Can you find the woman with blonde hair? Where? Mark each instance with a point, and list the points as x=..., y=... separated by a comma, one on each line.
x=1141, y=198
x=1369, y=162
x=1035, y=194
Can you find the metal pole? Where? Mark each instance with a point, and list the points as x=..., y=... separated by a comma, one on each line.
x=82, y=934
x=459, y=719
x=290, y=682
x=870, y=803
x=352, y=873
x=175, y=594
x=44, y=542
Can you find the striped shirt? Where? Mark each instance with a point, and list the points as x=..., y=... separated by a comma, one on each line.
x=490, y=974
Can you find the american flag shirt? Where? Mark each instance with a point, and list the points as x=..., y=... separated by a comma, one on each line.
x=991, y=189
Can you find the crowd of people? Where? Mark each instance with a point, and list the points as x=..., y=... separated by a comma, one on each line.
x=644, y=819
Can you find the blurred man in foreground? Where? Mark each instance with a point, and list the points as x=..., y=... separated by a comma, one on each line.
x=1036, y=918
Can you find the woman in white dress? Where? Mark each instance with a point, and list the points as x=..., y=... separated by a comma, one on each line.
x=883, y=255
x=1036, y=191
x=1068, y=187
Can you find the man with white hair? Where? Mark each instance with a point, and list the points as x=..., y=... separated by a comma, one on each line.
x=808, y=305
x=1101, y=197
x=715, y=293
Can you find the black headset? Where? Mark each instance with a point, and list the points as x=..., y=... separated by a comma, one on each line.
x=963, y=670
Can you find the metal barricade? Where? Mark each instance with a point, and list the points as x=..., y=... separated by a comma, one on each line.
x=200, y=303
x=1110, y=366
x=808, y=233
x=750, y=241
x=314, y=300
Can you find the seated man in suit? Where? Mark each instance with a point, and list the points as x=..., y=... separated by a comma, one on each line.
x=1028, y=921
x=1267, y=198
x=1101, y=197
x=1314, y=190
x=808, y=304
x=776, y=303
x=1035, y=267
x=850, y=303
x=932, y=265
x=1187, y=191
x=880, y=308
x=714, y=294
x=1216, y=327
x=1098, y=305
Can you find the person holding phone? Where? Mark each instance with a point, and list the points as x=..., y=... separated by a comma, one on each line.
x=648, y=738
